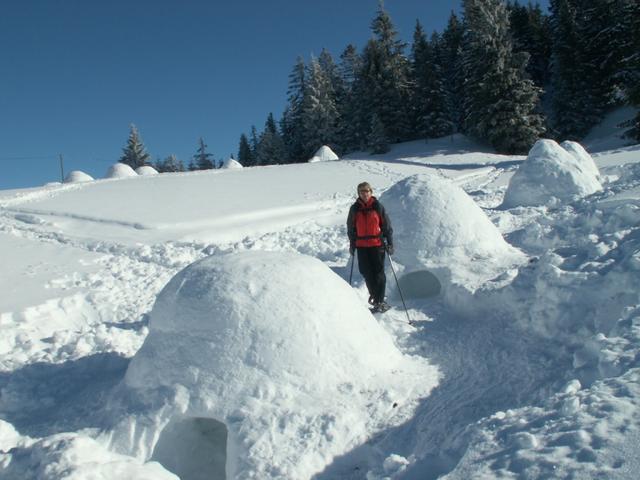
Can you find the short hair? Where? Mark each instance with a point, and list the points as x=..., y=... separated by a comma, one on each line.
x=364, y=186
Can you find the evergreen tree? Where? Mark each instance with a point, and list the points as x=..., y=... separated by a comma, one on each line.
x=500, y=102
x=171, y=164
x=291, y=122
x=271, y=148
x=352, y=126
x=377, y=139
x=453, y=72
x=319, y=111
x=384, y=79
x=531, y=32
x=134, y=153
x=629, y=14
x=253, y=143
x=245, y=156
x=202, y=159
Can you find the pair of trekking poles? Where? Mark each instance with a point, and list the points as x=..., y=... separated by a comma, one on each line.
x=394, y=276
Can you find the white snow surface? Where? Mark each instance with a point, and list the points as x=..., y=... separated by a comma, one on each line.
x=324, y=154
x=526, y=369
x=120, y=170
x=230, y=331
x=552, y=175
x=77, y=176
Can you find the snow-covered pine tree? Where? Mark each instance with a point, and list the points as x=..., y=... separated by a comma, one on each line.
x=352, y=126
x=253, y=143
x=451, y=54
x=291, y=122
x=319, y=111
x=172, y=164
x=377, y=140
x=420, y=55
x=271, y=149
x=501, y=104
x=134, y=153
x=202, y=159
x=630, y=64
x=385, y=81
x=531, y=32
x=245, y=156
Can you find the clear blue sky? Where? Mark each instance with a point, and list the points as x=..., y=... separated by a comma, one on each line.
x=75, y=73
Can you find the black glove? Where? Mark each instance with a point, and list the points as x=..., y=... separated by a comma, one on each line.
x=390, y=249
x=352, y=249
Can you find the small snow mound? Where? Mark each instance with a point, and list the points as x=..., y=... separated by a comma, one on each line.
x=120, y=170
x=550, y=175
x=247, y=337
x=324, y=154
x=582, y=156
x=232, y=164
x=146, y=170
x=78, y=176
x=439, y=227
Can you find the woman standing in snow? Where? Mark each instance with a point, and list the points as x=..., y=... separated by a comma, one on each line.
x=367, y=226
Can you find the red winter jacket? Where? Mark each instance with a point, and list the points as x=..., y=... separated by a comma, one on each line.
x=368, y=224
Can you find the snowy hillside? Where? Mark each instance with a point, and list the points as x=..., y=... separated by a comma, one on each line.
x=190, y=324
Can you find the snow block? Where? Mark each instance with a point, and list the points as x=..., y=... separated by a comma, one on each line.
x=78, y=176
x=120, y=170
x=324, y=154
x=582, y=157
x=267, y=345
x=551, y=175
x=439, y=228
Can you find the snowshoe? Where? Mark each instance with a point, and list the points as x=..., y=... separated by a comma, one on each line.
x=380, y=307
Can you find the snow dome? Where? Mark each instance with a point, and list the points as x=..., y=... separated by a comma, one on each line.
x=78, y=176
x=551, y=174
x=256, y=347
x=582, y=157
x=323, y=154
x=440, y=229
x=146, y=170
x=231, y=163
x=120, y=170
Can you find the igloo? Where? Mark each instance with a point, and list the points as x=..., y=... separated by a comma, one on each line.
x=267, y=364
x=120, y=170
x=582, y=157
x=146, y=170
x=324, y=154
x=232, y=164
x=78, y=176
x=442, y=237
x=551, y=175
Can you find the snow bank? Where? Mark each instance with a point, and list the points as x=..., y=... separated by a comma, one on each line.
x=78, y=176
x=146, y=170
x=582, y=157
x=120, y=170
x=231, y=163
x=551, y=175
x=74, y=457
x=438, y=227
x=267, y=345
x=324, y=154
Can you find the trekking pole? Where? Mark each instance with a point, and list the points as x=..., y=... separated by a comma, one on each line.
x=399, y=290
x=351, y=274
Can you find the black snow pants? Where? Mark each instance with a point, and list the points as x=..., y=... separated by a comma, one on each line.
x=371, y=266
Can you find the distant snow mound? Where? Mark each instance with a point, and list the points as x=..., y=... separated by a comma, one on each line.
x=551, y=175
x=262, y=359
x=78, y=176
x=231, y=163
x=146, y=170
x=120, y=170
x=324, y=154
x=582, y=157
x=438, y=227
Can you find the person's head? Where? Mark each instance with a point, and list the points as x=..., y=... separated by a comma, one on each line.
x=364, y=191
